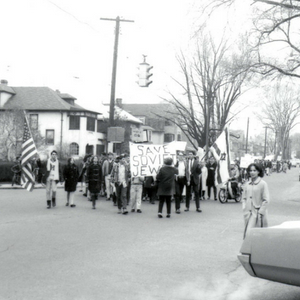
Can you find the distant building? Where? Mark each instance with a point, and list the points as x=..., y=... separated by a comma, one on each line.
x=61, y=122
x=159, y=130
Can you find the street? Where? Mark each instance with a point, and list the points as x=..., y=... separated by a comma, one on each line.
x=79, y=253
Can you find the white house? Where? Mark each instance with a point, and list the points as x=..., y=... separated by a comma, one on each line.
x=60, y=121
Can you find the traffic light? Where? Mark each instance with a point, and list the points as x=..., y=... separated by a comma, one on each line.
x=144, y=74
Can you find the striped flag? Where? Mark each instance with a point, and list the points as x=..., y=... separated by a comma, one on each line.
x=221, y=152
x=28, y=152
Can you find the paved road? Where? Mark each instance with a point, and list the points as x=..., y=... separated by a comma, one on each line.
x=79, y=253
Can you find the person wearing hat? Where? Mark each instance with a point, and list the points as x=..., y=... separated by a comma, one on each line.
x=166, y=185
x=120, y=176
x=53, y=176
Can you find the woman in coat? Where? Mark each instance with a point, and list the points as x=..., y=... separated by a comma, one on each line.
x=70, y=175
x=93, y=179
x=255, y=199
x=166, y=185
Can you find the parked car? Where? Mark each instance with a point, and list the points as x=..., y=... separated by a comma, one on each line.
x=273, y=253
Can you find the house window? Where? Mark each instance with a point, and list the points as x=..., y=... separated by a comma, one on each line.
x=49, y=137
x=169, y=137
x=34, y=118
x=99, y=149
x=178, y=137
x=90, y=124
x=74, y=122
x=74, y=149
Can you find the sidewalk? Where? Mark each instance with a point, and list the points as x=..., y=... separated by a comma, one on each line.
x=7, y=186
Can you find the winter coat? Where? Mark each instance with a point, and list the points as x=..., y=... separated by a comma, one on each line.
x=107, y=167
x=94, y=177
x=71, y=175
x=166, y=180
x=115, y=173
x=195, y=171
x=47, y=172
x=255, y=200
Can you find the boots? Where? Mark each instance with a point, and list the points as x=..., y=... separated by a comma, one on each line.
x=53, y=202
x=48, y=203
x=94, y=203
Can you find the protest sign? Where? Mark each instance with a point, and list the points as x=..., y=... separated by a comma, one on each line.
x=145, y=160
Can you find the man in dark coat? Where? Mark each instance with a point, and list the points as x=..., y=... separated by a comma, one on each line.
x=193, y=172
x=210, y=182
x=166, y=185
x=71, y=175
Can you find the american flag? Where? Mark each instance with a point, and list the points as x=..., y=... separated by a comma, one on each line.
x=28, y=152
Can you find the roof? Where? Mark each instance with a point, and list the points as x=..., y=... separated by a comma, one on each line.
x=7, y=89
x=39, y=98
x=122, y=115
x=148, y=110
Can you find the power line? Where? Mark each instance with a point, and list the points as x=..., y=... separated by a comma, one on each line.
x=70, y=14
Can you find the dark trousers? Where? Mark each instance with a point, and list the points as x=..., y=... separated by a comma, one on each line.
x=179, y=186
x=189, y=193
x=215, y=191
x=162, y=200
x=121, y=194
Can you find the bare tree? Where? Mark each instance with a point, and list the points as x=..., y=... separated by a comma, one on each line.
x=275, y=42
x=11, y=128
x=212, y=84
x=280, y=114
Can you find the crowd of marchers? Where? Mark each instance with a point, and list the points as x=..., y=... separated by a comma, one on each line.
x=181, y=182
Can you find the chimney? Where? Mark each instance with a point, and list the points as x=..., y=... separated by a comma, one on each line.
x=119, y=102
x=4, y=82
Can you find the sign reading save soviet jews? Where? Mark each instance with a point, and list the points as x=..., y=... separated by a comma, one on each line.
x=145, y=160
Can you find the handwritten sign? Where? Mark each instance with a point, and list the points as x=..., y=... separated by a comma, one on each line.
x=145, y=160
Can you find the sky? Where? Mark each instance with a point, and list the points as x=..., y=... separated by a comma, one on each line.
x=64, y=45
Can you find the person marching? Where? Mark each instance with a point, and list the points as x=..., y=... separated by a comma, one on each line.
x=71, y=175
x=255, y=199
x=53, y=176
x=94, y=179
x=136, y=192
x=120, y=176
x=203, y=179
x=193, y=181
x=210, y=182
x=106, y=170
x=166, y=185
x=180, y=180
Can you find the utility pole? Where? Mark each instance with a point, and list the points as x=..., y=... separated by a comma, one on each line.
x=114, y=70
x=247, y=136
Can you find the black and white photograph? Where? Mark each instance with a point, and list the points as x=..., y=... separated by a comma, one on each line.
x=150, y=150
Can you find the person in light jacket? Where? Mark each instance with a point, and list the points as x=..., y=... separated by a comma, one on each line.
x=255, y=199
x=203, y=179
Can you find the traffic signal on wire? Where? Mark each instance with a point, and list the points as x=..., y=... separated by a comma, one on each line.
x=144, y=74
